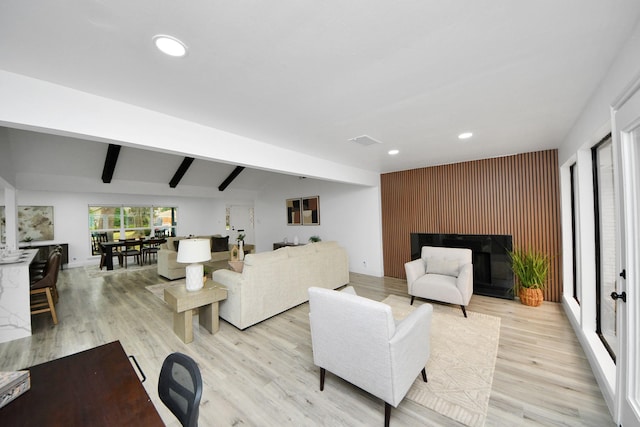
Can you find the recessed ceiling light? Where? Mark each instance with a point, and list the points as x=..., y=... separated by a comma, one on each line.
x=393, y=152
x=465, y=135
x=170, y=45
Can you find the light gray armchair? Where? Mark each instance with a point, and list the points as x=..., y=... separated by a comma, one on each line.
x=358, y=340
x=441, y=274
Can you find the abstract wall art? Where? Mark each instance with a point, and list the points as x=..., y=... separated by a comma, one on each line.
x=35, y=223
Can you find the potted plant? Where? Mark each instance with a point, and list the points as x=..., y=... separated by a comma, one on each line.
x=531, y=269
x=314, y=239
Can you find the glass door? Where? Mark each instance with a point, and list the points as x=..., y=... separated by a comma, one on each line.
x=606, y=226
x=627, y=293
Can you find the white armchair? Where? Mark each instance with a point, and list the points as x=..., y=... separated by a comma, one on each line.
x=441, y=274
x=358, y=340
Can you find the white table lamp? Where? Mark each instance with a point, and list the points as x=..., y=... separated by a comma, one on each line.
x=194, y=251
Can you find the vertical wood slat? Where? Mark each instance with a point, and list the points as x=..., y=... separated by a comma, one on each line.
x=517, y=195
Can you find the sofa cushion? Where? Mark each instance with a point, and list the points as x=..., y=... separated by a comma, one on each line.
x=265, y=257
x=329, y=245
x=219, y=244
x=303, y=250
x=446, y=267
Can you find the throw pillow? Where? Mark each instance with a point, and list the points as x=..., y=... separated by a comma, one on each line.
x=447, y=267
x=219, y=244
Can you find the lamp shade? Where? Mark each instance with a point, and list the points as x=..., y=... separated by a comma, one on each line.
x=194, y=250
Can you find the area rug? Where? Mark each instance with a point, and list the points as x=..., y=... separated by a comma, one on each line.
x=94, y=271
x=460, y=368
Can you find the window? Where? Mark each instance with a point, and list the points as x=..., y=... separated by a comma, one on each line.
x=605, y=241
x=130, y=222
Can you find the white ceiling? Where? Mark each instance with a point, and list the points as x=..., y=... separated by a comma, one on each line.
x=309, y=75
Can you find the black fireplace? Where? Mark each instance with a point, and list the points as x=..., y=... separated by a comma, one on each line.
x=492, y=274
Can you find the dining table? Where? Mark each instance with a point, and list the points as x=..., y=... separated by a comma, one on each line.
x=108, y=247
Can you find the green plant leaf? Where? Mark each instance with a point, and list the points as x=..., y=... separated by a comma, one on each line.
x=530, y=267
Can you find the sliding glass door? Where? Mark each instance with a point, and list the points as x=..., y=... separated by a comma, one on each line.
x=606, y=244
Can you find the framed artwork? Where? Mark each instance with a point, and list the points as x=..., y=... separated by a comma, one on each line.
x=35, y=223
x=294, y=212
x=311, y=210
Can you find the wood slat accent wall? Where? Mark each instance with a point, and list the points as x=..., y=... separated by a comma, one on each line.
x=517, y=195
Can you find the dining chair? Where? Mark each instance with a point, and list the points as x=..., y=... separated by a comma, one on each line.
x=161, y=233
x=42, y=291
x=180, y=388
x=37, y=269
x=130, y=250
x=96, y=239
x=151, y=248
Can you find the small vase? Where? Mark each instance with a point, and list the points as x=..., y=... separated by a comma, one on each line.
x=295, y=240
x=241, y=251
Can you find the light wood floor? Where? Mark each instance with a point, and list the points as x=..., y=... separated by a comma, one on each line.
x=264, y=376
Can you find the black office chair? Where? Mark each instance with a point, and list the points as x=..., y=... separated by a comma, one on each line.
x=180, y=387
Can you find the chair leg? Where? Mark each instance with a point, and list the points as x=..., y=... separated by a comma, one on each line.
x=412, y=298
x=52, y=306
x=37, y=306
x=387, y=414
x=464, y=311
x=322, y=374
x=424, y=374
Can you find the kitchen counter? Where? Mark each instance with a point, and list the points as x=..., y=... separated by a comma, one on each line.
x=15, y=312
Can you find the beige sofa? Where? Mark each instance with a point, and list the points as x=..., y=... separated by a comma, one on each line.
x=273, y=282
x=169, y=267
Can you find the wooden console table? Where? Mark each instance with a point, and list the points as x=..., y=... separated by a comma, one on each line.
x=279, y=245
x=183, y=302
x=96, y=387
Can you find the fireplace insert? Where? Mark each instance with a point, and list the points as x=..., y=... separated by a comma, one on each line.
x=492, y=274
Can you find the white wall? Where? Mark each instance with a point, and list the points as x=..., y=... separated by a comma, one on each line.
x=594, y=121
x=7, y=173
x=349, y=214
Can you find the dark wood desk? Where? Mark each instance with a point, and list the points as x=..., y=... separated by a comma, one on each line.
x=96, y=387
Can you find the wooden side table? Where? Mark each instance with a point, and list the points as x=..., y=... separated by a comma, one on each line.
x=183, y=302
